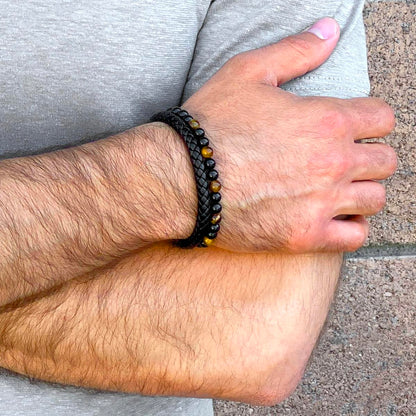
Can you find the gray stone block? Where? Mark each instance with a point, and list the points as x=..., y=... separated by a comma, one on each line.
x=391, y=32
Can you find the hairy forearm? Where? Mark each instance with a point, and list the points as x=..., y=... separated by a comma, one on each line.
x=172, y=322
x=65, y=213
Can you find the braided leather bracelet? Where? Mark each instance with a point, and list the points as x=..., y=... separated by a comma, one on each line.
x=209, y=208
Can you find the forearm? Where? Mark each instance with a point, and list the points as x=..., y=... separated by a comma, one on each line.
x=237, y=326
x=65, y=213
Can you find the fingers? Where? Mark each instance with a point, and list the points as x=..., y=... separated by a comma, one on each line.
x=368, y=117
x=296, y=55
x=356, y=118
x=362, y=198
x=346, y=234
x=373, y=161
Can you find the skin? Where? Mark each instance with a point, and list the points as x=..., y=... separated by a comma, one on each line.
x=66, y=213
x=238, y=327
x=92, y=294
x=278, y=153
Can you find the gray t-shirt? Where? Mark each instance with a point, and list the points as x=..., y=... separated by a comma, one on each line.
x=76, y=71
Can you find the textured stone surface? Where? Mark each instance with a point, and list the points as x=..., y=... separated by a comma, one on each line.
x=366, y=361
x=391, y=32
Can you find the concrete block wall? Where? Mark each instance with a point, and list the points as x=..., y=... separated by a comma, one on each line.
x=365, y=363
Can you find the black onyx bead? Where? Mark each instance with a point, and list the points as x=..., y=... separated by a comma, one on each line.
x=210, y=163
x=203, y=142
x=188, y=118
x=176, y=110
x=214, y=228
x=213, y=175
x=216, y=197
x=211, y=236
x=216, y=208
x=199, y=132
x=183, y=113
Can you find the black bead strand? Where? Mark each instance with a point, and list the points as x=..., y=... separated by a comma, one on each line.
x=208, y=202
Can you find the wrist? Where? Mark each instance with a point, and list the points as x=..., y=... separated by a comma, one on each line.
x=173, y=181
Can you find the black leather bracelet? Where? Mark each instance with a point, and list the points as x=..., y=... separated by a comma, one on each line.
x=209, y=207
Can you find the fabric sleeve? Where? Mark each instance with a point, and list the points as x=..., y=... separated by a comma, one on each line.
x=233, y=26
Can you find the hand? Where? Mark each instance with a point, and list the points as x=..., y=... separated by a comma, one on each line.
x=294, y=176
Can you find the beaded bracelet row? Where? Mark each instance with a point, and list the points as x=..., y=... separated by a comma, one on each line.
x=209, y=207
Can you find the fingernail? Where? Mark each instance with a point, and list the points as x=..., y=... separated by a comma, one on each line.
x=325, y=28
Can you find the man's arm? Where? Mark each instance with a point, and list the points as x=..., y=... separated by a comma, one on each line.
x=181, y=334
x=65, y=213
x=238, y=326
x=68, y=212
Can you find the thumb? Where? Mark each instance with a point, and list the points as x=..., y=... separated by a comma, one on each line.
x=296, y=55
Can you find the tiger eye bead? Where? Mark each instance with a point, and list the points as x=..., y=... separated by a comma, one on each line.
x=203, y=142
x=194, y=124
x=216, y=219
x=207, y=152
x=215, y=186
x=208, y=241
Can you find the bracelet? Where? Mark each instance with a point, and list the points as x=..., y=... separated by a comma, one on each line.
x=209, y=208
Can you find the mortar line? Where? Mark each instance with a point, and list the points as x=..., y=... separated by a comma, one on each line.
x=392, y=250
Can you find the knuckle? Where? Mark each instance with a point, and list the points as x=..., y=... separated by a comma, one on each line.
x=244, y=64
x=331, y=166
x=339, y=164
x=334, y=122
x=234, y=62
x=300, y=46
